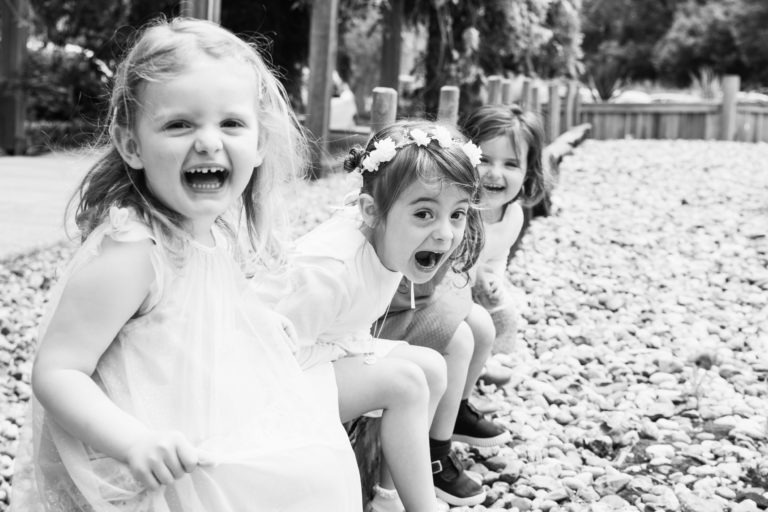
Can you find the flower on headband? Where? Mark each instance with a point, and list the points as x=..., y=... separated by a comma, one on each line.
x=420, y=137
x=385, y=150
x=443, y=137
x=473, y=152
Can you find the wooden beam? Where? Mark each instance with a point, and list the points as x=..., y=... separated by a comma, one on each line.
x=731, y=84
x=322, y=62
x=13, y=51
x=494, y=89
x=383, y=108
x=391, y=43
x=448, y=109
x=202, y=9
x=506, y=91
x=553, y=119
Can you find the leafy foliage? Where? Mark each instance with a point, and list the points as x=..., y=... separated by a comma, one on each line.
x=700, y=36
x=471, y=39
x=623, y=34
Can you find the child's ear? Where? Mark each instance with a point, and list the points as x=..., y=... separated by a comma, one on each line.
x=259, y=158
x=128, y=148
x=368, y=209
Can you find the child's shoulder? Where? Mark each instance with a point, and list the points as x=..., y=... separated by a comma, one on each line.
x=122, y=225
x=121, y=244
x=338, y=238
x=514, y=213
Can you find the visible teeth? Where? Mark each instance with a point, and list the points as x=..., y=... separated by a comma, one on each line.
x=204, y=170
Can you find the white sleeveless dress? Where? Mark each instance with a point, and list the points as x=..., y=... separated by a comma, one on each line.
x=207, y=358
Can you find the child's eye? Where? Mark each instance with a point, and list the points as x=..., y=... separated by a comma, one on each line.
x=176, y=124
x=513, y=164
x=423, y=214
x=232, y=123
x=459, y=214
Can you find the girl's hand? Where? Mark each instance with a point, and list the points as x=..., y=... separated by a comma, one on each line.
x=491, y=286
x=289, y=329
x=159, y=458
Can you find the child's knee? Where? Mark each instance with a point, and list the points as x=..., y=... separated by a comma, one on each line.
x=435, y=370
x=462, y=344
x=483, y=330
x=408, y=382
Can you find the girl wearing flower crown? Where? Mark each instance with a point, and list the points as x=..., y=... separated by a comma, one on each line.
x=415, y=214
x=161, y=382
x=445, y=317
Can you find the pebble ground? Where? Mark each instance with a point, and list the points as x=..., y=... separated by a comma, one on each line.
x=641, y=368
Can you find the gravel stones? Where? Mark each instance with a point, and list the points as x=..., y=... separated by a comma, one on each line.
x=641, y=379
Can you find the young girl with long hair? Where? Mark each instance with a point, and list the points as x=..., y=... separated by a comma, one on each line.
x=161, y=382
x=445, y=316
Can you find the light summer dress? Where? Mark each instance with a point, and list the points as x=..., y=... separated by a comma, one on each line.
x=207, y=358
x=333, y=290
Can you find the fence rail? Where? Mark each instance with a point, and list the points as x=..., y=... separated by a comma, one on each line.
x=704, y=119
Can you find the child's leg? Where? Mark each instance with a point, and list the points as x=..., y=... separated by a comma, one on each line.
x=457, y=356
x=452, y=484
x=471, y=427
x=433, y=365
x=400, y=388
x=483, y=331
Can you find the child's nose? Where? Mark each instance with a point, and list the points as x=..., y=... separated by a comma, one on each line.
x=443, y=231
x=208, y=141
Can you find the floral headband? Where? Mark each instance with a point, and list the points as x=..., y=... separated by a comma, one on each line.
x=385, y=149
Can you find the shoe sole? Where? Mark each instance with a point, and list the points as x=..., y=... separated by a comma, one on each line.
x=483, y=442
x=455, y=501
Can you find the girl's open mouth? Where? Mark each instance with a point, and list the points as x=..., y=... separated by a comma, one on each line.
x=206, y=178
x=492, y=187
x=427, y=261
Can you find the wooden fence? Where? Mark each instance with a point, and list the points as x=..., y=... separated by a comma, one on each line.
x=706, y=119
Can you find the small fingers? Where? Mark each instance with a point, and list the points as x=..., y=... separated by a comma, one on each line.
x=290, y=330
x=206, y=459
x=162, y=474
x=188, y=457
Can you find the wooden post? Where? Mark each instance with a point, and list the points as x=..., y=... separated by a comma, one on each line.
x=535, y=105
x=202, y=9
x=383, y=108
x=577, y=105
x=731, y=84
x=494, y=90
x=448, y=108
x=553, y=123
x=391, y=42
x=570, y=104
x=525, y=95
x=506, y=91
x=322, y=61
x=13, y=51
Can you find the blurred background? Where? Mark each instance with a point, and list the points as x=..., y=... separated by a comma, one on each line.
x=58, y=56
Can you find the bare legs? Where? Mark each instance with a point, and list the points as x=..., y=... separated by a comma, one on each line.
x=407, y=385
x=483, y=334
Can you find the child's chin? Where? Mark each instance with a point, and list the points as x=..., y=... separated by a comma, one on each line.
x=422, y=276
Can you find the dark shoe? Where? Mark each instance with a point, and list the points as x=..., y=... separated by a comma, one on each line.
x=473, y=428
x=453, y=485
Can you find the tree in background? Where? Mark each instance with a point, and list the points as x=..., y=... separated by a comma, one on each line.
x=701, y=36
x=359, y=56
x=283, y=27
x=471, y=39
x=620, y=37
x=750, y=23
